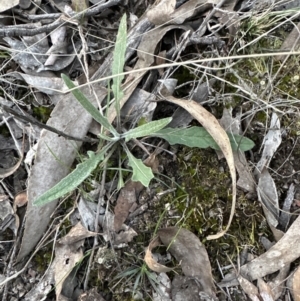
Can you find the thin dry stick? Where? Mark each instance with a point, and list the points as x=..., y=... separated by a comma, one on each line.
x=191, y=62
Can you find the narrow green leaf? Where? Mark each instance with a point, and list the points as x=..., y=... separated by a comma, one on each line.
x=199, y=137
x=72, y=180
x=88, y=106
x=141, y=172
x=147, y=129
x=119, y=62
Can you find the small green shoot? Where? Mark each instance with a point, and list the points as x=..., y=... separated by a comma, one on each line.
x=118, y=66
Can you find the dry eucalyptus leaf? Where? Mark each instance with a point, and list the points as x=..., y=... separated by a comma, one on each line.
x=77, y=233
x=285, y=214
x=68, y=253
x=233, y=125
x=271, y=142
x=265, y=290
x=59, y=45
x=87, y=211
x=250, y=289
x=189, y=251
x=211, y=124
x=141, y=104
x=49, y=85
x=277, y=283
x=163, y=289
x=20, y=199
x=109, y=234
x=190, y=9
x=42, y=288
x=186, y=288
x=151, y=262
x=268, y=197
x=26, y=49
x=160, y=13
x=126, y=202
x=6, y=214
x=7, y=4
x=285, y=251
x=295, y=285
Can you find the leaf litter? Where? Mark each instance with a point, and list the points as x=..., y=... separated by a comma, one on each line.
x=161, y=27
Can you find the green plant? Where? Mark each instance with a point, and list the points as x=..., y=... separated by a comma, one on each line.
x=137, y=277
x=192, y=137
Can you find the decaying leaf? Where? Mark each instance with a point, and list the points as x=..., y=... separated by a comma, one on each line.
x=266, y=189
x=278, y=283
x=126, y=202
x=285, y=214
x=271, y=142
x=267, y=195
x=127, y=199
x=49, y=85
x=162, y=292
x=159, y=13
x=109, y=234
x=7, y=215
x=140, y=105
x=250, y=289
x=277, y=257
x=189, y=289
x=20, y=199
x=230, y=124
x=68, y=253
x=265, y=290
x=294, y=284
x=151, y=262
x=218, y=133
x=188, y=250
x=7, y=4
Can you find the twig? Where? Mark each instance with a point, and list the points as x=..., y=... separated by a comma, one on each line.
x=19, y=30
x=44, y=126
